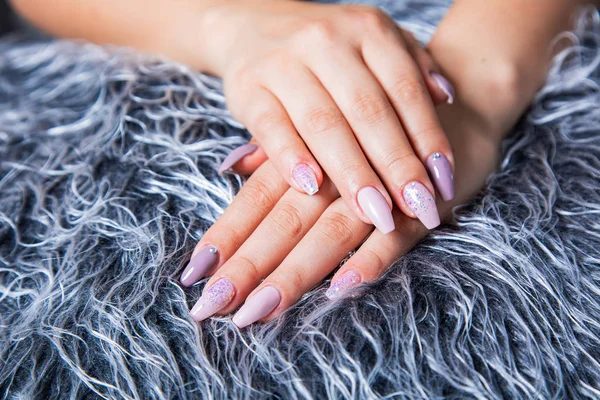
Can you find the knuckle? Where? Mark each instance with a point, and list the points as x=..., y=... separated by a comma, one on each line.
x=249, y=267
x=323, y=119
x=427, y=132
x=375, y=261
x=295, y=277
x=288, y=222
x=267, y=121
x=396, y=159
x=409, y=90
x=337, y=227
x=373, y=19
x=370, y=108
x=317, y=32
x=348, y=171
x=258, y=196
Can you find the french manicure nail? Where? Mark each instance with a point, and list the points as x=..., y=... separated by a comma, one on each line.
x=373, y=204
x=199, y=266
x=422, y=203
x=445, y=85
x=236, y=155
x=440, y=169
x=305, y=177
x=258, y=306
x=213, y=299
x=348, y=280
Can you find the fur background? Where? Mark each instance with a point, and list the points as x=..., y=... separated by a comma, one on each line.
x=108, y=178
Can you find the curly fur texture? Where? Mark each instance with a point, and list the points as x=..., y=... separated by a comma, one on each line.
x=108, y=178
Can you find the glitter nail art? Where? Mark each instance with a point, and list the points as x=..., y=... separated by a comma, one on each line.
x=305, y=177
x=214, y=298
x=349, y=279
x=422, y=204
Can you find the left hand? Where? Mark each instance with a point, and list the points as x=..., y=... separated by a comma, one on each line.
x=274, y=244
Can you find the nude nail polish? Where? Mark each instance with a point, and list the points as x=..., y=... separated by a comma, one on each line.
x=236, y=155
x=305, y=177
x=443, y=178
x=348, y=280
x=258, y=306
x=213, y=299
x=445, y=85
x=199, y=266
x=422, y=204
x=373, y=204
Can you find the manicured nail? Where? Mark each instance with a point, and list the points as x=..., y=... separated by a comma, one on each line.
x=445, y=85
x=440, y=169
x=422, y=203
x=213, y=299
x=236, y=155
x=348, y=280
x=373, y=204
x=199, y=266
x=258, y=306
x=305, y=177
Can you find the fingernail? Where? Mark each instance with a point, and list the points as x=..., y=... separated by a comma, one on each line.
x=422, y=203
x=348, y=280
x=305, y=177
x=236, y=155
x=213, y=299
x=373, y=204
x=440, y=169
x=199, y=266
x=258, y=306
x=445, y=85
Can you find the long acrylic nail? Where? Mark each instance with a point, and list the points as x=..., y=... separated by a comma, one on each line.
x=213, y=299
x=348, y=280
x=443, y=178
x=236, y=155
x=422, y=203
x=373, y=204
x=445, y=85
x=305, y=177
x=199, y=266
x=258, y=306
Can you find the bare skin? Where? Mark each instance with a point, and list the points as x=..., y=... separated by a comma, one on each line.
x=496, y=54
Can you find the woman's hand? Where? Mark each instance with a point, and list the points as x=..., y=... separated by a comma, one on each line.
x=273, y=244
x=338, y=87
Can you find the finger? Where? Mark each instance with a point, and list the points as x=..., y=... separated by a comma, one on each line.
x=336, y=233
x=375, y=256
x=250, y=163
x=403, y=84
x=378, y=130
x=251, y=205
x=328, y=135
x=264, y=250
x=440, y=89
x=270, y=124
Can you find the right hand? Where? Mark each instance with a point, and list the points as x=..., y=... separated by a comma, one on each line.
x=340, y=87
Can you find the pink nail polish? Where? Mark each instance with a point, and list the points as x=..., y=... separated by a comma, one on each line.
x=422, y=204
x=445, y=85
x=258, y=306
x=305, y=177
x=348, y=280
x=213, y=299
x=236, y=155
x=199, y=265
x=373, y=204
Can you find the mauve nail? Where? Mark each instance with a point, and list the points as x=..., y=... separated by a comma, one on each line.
x=373, y=204
x=258, y=306
x=348, y=280
x=199, y=266
x=445, y=85
x=213, y=299
x=443, y=178
x=236, y=155
x=422, y=203
x=305, y=177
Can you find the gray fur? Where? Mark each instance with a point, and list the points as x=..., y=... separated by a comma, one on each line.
x=108, y=178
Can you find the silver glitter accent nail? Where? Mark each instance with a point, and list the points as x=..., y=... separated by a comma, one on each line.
x=305, y=177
